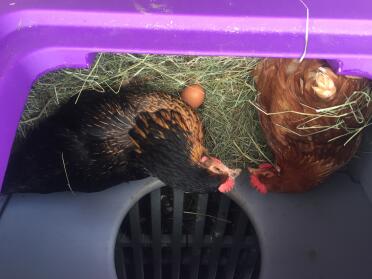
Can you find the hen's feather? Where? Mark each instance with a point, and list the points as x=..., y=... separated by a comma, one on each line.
x=166, y=147
x=290, y=93
x=166, y=140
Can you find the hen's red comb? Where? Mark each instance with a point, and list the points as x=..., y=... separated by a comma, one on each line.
x=227, y=186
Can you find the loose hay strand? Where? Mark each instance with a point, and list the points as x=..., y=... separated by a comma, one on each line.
x=66, y=174
x=245, y=155
x=352, y=107
x=306, y=31
x=39, y=115
x=89, y=75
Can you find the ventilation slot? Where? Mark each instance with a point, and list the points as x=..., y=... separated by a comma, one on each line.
x=169, y=234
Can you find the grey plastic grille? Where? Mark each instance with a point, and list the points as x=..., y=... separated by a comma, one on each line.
x=169, y=234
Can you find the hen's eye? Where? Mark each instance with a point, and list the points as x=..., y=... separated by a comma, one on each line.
x=216, y=169
x=267, y=174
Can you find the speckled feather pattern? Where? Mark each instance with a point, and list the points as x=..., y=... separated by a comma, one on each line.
x=93, y=136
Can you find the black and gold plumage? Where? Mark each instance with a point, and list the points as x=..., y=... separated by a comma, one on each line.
x=106, y=138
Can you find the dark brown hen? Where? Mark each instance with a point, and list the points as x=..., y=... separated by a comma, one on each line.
x=107, y=138
x=308, y=144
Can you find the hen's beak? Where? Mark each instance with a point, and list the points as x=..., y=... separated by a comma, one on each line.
x=217, y=166
x=252, y=171
x=230, y=182
x=234, y=173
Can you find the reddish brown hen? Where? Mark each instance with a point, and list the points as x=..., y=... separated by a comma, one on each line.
x=308, y=144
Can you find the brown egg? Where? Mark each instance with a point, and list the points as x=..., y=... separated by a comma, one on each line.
x=193, y=95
